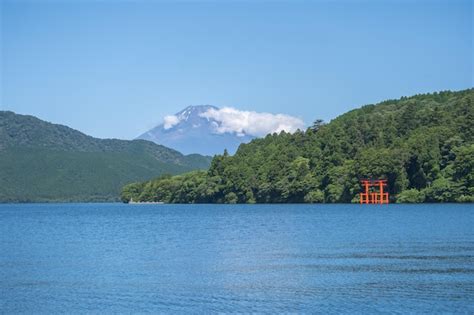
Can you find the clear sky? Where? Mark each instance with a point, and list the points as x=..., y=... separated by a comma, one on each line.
x=114, y=69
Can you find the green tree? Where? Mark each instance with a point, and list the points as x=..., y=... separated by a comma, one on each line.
x=411, y=196
x=314, y=196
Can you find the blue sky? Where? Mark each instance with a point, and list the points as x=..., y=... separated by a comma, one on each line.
x=114, y=69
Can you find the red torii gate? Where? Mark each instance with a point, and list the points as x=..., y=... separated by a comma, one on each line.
x=368, y=196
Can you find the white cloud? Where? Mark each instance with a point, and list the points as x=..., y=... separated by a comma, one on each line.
x=248, y=122
x=170, y=121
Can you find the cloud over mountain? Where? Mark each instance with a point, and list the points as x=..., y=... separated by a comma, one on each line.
x=208, y=130
x=232, y=120
x=170, y=121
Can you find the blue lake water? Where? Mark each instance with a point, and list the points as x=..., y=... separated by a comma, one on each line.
x=236, y=258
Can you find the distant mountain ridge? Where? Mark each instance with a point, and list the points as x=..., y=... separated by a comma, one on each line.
x=41, y=161
x=189, y=132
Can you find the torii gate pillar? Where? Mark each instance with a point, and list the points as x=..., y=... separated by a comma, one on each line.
x=368, y=196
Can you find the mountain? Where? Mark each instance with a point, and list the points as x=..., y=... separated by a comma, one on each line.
x=423, y=145
x=188, y=132
x=41, y=161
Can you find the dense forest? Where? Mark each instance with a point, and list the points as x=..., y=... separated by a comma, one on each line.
x=423, y=145
x=41, y=161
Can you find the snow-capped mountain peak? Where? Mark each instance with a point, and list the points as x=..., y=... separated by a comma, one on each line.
x=191, y=131
x=193, y=111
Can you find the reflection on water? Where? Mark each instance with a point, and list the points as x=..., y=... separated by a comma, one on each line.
x=221, y=258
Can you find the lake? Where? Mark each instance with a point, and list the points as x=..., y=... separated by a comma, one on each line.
x=236, y=258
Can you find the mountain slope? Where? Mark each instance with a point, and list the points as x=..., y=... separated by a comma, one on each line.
x=188, y=132
x=423, y=145
x=40, y=161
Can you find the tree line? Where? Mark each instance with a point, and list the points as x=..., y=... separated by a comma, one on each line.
x=423, y=145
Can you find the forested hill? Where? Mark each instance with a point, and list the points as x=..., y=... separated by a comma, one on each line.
x=423, y=145
x=41, y=161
